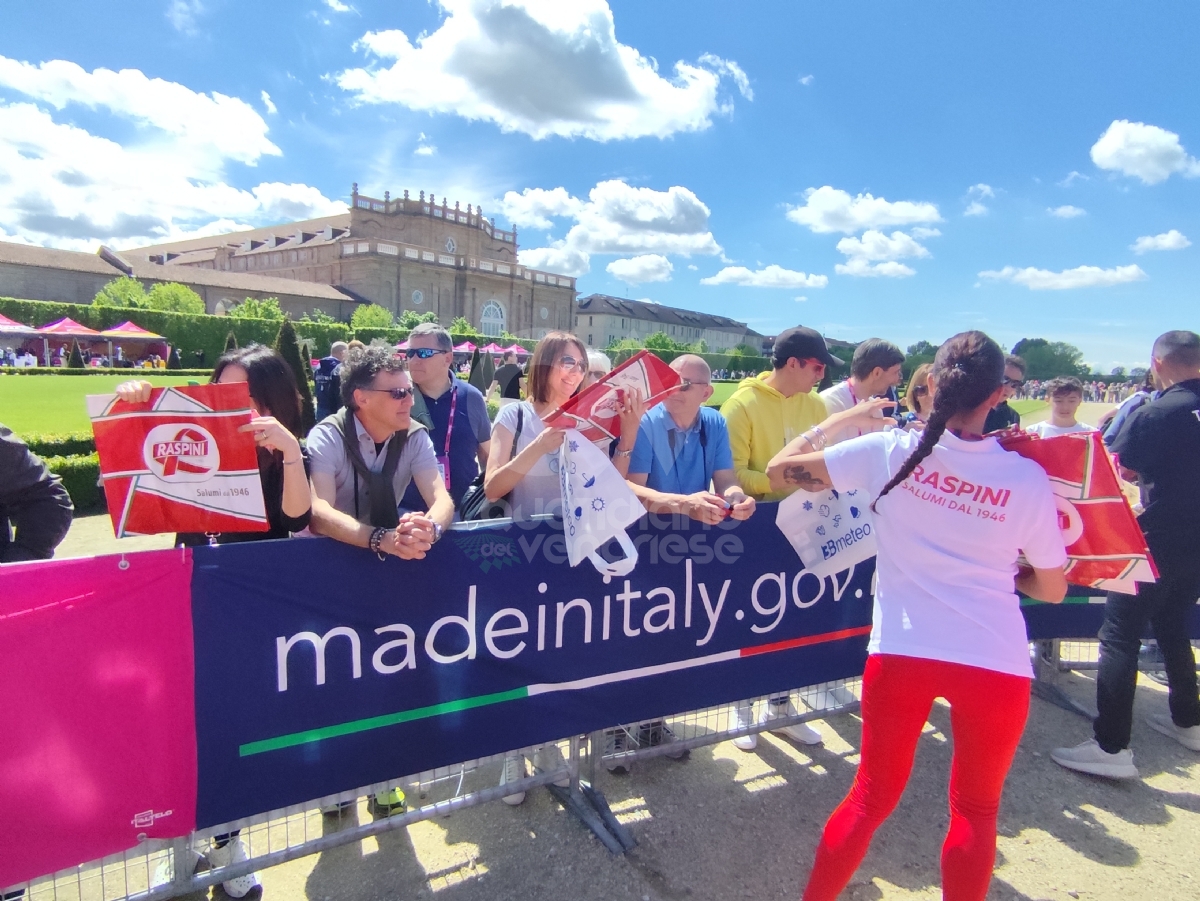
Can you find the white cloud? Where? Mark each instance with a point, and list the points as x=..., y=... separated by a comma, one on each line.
x=806, y=81
x=424, y=147
x=1079, y=277
x=1172, y=240
x=693, y=267
x=921, y=232
x=272, y=109
x=1071, y=178
x=616, y=218
x=860, y=268
x=338, y=7
x=182, y=14
x=875, y=254
x=533, y=207
x=1147, y=152
x=828, y=209
x=68, y=187
x=768, y=277
x=975, y=208
x=543, y=68
x=1066, y=212
x=800, y=299
x=647, y=267
x=980, y=190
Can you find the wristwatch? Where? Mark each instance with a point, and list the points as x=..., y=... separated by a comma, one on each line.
x=437, y=532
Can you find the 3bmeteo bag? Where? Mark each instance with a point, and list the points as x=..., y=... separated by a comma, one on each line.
x=830, y=530
x=597, y=506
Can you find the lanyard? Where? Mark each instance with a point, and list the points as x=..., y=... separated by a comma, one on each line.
x=450, y=425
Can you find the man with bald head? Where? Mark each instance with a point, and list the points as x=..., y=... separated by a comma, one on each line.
x=681, y=462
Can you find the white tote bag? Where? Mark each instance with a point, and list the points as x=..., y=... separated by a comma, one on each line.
x=830, y=530
x=597, y=505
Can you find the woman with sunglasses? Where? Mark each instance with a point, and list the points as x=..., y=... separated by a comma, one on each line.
x=953, y=513
x=282, y=464
x=918, y=397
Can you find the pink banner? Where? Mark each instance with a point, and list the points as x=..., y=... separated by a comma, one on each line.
x=98, y=708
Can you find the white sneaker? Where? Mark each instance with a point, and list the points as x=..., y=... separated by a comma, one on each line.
x=548, y=758
x=514, y=771
x=1189, y=737
x=801, y=732
x=233, y=852
x=743, y=717
x=1089, y=757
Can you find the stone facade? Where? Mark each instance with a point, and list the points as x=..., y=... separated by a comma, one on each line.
x=403, y=254
x=601, y=319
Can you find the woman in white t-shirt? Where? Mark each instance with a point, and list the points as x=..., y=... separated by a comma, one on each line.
x=953, y=512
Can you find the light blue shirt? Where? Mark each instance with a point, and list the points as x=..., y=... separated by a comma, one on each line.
x=680, y=461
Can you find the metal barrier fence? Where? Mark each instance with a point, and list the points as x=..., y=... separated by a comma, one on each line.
x=161, y=870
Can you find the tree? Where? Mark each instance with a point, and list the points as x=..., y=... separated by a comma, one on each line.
x=1118, y=373
x=288, y=347
x=922, y=348
x=319, y=317
x=660, y=340
x=121, y=292
x=917, y=356
x=172, y=297
x=371, y=315
x=254, y=308
x=476, y=376
x=1050, y=359
x=410, y=319
x=230, y=342
x=75, y=361
x=173, y=361
x=1137, y=373
x=461, y=326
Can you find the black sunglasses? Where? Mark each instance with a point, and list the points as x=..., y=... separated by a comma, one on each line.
x=920, y=390
x=685, y=384
x=396, y=393
x=423, y=353
x=1013, y=383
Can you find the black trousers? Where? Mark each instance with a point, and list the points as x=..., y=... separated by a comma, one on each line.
x=1167, y=606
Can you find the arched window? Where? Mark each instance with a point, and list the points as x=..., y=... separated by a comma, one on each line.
x=492, y=319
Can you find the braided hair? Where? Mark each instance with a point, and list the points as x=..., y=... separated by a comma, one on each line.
x=968, y=368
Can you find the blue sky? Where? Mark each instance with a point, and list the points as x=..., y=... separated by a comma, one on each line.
x=909, y=171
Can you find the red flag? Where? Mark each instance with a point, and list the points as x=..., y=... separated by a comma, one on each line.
x=593, y=411
x=178, y=463
x=1105, y=545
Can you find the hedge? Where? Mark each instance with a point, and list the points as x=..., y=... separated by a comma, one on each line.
x=753, y=365
x=66, y=445
x=80, y=475
x=132, y=371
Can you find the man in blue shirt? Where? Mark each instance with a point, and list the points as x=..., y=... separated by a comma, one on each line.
x=681, y=462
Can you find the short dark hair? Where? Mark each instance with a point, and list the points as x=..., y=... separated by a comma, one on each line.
x=1016, y=363
x=1064, y=385
x=874, y=352
x=1178, y=348
x=271, y=382
x=361, y=366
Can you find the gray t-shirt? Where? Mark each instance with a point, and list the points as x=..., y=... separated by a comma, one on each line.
x=327, y=453
x=539, y=490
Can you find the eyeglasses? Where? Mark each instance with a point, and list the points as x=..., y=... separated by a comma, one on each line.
x=396, y=393
x=597, y=373
x=569, y=362
x=423, y=353
x=1013, y=383
x=686, y=384
x=920, y=390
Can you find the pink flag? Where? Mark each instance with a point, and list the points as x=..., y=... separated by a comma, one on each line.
x=178, y=463
x=593, y=411
x=98, y=708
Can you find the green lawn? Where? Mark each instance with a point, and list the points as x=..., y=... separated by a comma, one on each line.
x=54, y=403
x=721, y=392
x=1025, y=407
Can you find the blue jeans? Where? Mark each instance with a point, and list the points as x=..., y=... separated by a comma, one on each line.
x=1167, y=606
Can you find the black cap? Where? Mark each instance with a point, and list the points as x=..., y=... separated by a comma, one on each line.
x=803, y=344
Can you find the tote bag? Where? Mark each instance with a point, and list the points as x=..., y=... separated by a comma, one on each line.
x=597, y=505
x=830, y=530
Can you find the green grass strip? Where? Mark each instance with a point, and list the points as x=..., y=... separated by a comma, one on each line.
x=377, y=722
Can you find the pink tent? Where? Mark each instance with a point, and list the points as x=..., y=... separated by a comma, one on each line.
x=403, y=345
x=127, y=331
x=517, y=349
x=67, y=328
x=9, y=327
x=492, y=348
x=465, y=348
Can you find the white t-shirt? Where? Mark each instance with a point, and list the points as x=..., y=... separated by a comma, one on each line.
x=539, y=491
x=948, y=539
x=841, y=397
x=1045, y=430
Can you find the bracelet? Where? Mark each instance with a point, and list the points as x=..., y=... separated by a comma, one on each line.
x=376, y=539
x=816, y=438
x=293, y=462
x=623, y=453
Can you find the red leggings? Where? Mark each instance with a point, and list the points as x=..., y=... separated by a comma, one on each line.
x=987, y=716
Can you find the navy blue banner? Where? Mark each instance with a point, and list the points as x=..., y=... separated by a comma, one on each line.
x=320, y=668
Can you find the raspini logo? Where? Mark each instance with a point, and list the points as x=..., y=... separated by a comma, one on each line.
x=181, y=453
x=489, y=551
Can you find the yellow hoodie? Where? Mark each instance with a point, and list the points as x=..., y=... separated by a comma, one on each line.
x=761, y=421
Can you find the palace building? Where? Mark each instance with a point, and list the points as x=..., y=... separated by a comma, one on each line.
x=404, y=254
x=601, y=319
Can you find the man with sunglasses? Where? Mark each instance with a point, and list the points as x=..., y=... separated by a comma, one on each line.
x=453, y=410
x=363, y=458
x=1002, y=416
